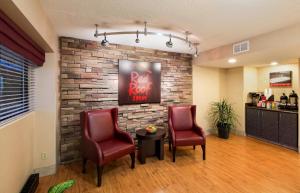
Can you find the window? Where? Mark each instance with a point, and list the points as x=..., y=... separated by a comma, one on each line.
x=16, y=85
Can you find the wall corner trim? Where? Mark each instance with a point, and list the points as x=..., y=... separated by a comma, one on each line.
x=46, y=171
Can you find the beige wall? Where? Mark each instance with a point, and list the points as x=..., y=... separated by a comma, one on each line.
x=208, y=87
x=263, y=79
x=46, y=115
x=211, y=85
x=23, y=141
x=234, y=95
x=16, y=147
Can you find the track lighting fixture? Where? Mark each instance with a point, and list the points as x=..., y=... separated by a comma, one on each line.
x=137, y=40
x=104, y=42
x=145, y=32
x=169, y=43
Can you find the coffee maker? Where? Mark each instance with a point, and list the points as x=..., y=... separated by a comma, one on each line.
x=283, y=101
x=293, y=101
x=254, y=97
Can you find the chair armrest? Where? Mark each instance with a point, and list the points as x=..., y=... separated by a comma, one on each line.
x=92, y=150
x=123, y=135
x=171, y=132
x=199, y=130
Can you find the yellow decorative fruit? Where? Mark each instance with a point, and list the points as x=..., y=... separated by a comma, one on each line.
x=151, y=129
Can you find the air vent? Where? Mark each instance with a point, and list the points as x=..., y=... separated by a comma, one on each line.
x=241, y=47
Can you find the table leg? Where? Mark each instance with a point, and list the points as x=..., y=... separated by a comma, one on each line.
x=142, y=152
x=159, y=148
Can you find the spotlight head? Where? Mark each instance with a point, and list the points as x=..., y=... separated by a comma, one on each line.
x=104, y=42
x=137, y=40
x=196, y=53
x=169, y=43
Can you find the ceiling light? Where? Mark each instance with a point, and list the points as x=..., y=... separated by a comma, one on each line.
x=104, y=42
x=231, y=60
x=274, y=63
x=137, y=40
x=169, y=43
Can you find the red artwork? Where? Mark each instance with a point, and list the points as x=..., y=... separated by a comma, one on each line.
x=281, y=79
x=139, y=82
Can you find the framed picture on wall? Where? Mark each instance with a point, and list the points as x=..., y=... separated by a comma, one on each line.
x=139, y=82
x=281, y=79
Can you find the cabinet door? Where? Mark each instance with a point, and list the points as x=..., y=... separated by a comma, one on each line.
x=253, y=122
x=269, y=125
x=288, y=129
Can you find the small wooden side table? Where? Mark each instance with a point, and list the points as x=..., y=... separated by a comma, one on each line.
x=150, y=144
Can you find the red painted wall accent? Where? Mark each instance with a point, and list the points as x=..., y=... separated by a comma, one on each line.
x=17, y=40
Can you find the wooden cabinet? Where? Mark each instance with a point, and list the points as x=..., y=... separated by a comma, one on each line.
x=276, y=126
x=288, y=129
x=253, y=121
x=269, y=125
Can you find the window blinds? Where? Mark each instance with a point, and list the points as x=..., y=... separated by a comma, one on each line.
x=17, y=82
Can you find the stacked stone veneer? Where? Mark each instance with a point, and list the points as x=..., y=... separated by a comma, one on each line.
x=89, y=80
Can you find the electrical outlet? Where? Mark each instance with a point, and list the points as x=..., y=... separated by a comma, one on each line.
x=43, y=156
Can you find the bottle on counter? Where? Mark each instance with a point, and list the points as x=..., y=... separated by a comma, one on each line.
x=269, y=105
x=263, y=101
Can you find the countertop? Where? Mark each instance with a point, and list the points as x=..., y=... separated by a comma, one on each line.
x=277, y=110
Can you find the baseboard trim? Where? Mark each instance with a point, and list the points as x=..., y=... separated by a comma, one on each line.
x=240, y=133
x=210, y=131
x=46, y=171
x=234, y=131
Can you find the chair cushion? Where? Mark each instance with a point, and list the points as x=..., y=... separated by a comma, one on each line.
x=188, y=137
x=114, y=148
x=182, y=118
x=101, y=125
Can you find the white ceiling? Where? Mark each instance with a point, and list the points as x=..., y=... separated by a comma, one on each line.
x=212, y=22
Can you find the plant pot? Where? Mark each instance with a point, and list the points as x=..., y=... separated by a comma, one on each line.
x=223, y=130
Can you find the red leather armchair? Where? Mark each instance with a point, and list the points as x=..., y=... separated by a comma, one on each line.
x=102, y=140
x=183, y=129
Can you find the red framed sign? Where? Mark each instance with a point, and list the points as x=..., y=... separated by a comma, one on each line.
x=281, y=79
x=139, y=82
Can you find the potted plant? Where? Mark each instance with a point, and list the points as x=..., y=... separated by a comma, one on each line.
x=223, y=117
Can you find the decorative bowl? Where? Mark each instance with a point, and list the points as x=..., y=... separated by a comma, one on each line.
x=151, y=129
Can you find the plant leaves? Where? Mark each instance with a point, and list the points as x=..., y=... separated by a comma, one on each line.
x=222, y=112
x=60, y=188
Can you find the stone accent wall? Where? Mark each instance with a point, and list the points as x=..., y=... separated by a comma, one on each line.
x=89, y=80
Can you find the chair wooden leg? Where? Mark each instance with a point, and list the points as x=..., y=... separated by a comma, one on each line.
x=203, y=151
x=132, y=155
x=84, y=160
x=170, y=148
x=194, y=147
x=99, y=175
x=174, y=153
